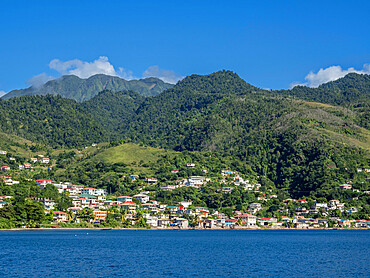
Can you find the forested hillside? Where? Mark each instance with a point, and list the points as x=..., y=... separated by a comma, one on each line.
x=50, y=120
x=113, y=110
x=284, y=137
x=73, y=87
x=351, y=89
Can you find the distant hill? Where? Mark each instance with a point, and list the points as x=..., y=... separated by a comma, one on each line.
x=73, y=87
x=351, y=89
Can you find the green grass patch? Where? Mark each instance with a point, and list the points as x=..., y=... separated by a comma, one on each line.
x=130, y=154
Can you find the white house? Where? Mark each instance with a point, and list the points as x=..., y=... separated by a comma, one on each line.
x=43, y=182
x=100, y=192
x=124, y=199
x=89, y=190
x=168, y=187
x=321, y=205
x=142, y=198
x=151, y=180
x=248, y=219
x=74, y=189
x=48, y=204
x=45, y=160
x=345, y=186
x=182, y=223
x=2, y=204
x=59, y=216
x=227, y=172
x=185, y=204
x=61, y=187
x=197, y=180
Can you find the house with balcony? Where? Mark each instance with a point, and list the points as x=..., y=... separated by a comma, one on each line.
x=99, y=215
x=59, y=216
x=43, y=182
x=130, y=206
x=247, y=219
x=124, y=199
x=142, y=198
x=229, y=222
x=89, y=191
x=182, y=223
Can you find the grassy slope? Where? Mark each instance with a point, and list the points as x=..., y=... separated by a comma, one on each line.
x=134, y=156
x=16, y=145
x=363, y=143
x=336, y=125
x=129, y=153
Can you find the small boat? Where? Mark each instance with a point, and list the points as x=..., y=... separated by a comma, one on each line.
x=106, y=229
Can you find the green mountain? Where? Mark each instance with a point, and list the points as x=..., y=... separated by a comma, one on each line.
x=299, y=146
x=215, y=108
x=73, y=87
x=287, y=139
x=351, y=89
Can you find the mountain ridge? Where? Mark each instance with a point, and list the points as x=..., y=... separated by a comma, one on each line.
x=73, y=87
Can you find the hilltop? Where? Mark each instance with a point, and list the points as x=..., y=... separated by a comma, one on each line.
x=351, y=89
x=73, y=87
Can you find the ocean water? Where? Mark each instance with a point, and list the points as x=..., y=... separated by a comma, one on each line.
x=335, y=253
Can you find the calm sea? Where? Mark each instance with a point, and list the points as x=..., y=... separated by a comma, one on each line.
x=185, y=253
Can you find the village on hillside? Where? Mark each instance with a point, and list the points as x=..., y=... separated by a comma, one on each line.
x=96, y=207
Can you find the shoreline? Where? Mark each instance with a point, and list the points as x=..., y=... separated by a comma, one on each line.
x=166, y=229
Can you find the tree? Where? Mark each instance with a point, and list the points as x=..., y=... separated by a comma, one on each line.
x=239, y=222
x=35, y=213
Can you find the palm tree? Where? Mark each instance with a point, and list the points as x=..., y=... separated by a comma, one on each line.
x=239, y=222
x=196, y=221
x=69, y=215
x=123, y=215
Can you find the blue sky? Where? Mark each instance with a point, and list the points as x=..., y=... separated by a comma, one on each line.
x=270, y=44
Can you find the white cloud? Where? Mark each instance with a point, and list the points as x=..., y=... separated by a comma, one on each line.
x=329, y=74
x=165, y=75
x=101, y=65
x=39, y=80
x=84, y=69
x=126, y=74
x=2, y=93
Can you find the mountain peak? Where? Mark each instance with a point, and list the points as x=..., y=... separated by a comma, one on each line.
x=73, y=87
x=217, y=82
x=349, y=80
